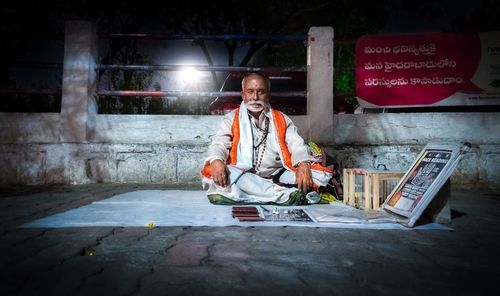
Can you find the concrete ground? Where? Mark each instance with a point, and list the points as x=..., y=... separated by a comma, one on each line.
x=242, y=261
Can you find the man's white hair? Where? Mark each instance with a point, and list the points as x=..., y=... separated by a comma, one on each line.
x=266, y=79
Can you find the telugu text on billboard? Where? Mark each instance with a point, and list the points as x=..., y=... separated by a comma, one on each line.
x=428, y=69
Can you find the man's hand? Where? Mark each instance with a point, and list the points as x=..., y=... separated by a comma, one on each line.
x=220, y=172
x=303, y=176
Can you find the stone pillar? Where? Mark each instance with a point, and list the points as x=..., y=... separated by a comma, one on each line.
x=320, y=84
x=78, y=106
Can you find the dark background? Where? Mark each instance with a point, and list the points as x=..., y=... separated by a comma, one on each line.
x=32, y=46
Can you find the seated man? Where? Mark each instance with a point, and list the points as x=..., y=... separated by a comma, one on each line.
x=257, y=156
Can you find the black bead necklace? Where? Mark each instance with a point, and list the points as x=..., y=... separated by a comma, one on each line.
x=260, y=148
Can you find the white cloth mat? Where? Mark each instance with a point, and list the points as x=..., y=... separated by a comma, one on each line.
x=192, y=208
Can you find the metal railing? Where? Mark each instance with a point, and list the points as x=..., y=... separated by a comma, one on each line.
x=200, y=68
x=146, y=93
x=185, y=37
x=38, y=93
x=212, y=68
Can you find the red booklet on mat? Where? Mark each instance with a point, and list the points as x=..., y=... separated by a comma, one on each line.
x=247, y=213
x=239, y=209
x=251, y=219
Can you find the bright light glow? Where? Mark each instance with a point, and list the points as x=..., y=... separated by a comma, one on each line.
x=189, y=75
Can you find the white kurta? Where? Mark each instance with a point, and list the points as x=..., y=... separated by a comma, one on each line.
x=257, y=186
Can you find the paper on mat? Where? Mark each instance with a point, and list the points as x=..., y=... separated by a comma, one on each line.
x=338, y=212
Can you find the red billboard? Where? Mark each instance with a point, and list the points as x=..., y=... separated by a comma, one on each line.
x=428, y=69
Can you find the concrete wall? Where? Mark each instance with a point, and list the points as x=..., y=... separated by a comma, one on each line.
x=165, y=149
x=395, y=140
x=170, y=149
x=80, y=146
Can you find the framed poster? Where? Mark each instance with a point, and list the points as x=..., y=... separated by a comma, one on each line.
x=423, y=180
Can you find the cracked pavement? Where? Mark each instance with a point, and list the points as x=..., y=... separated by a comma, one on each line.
x=241, y=260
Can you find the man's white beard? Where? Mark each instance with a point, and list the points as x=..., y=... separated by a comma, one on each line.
x=255, y=106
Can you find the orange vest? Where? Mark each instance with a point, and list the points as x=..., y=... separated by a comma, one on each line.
x=280, y=124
